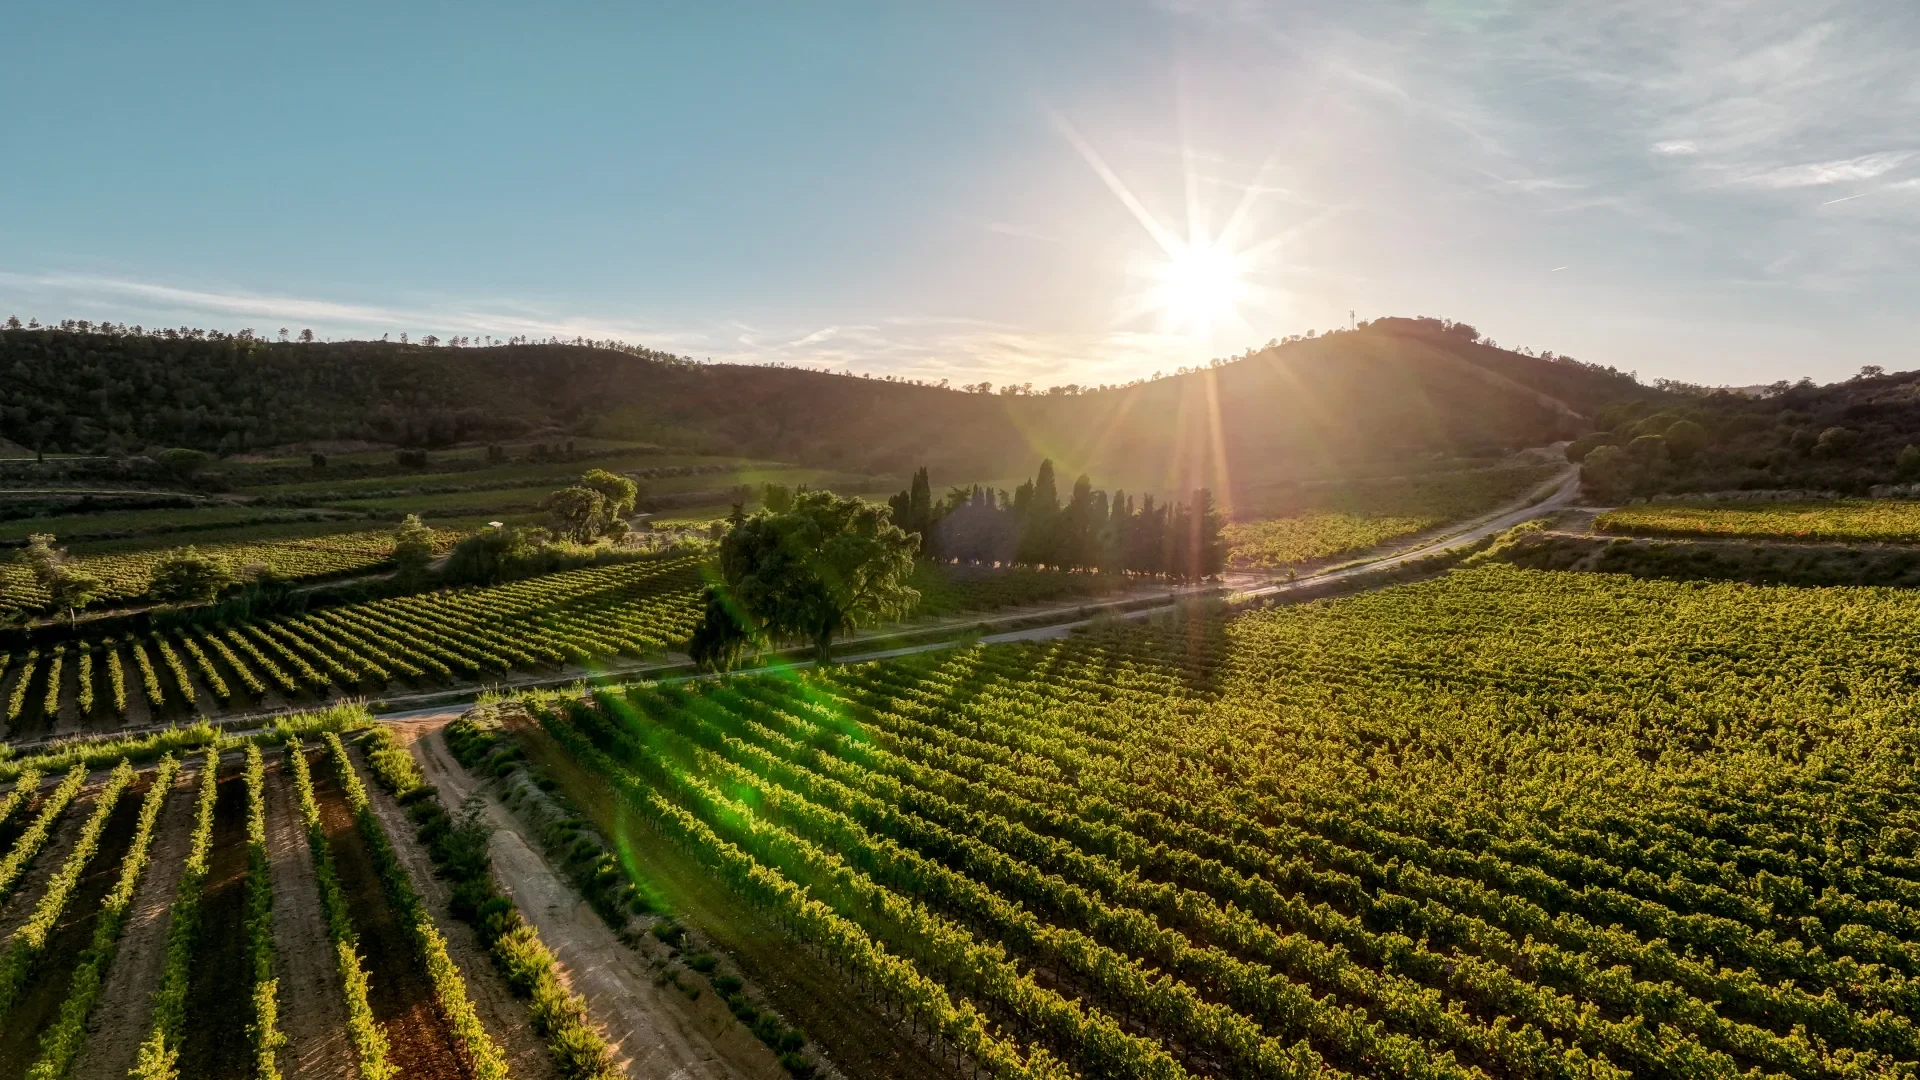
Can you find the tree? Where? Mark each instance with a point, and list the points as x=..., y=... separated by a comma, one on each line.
x=66, y=584
x=1836, y=442
x=620, y=493
x=1578, y=449
x=412, y=550
x=189, y=577
x=1685, y=439
x=576, y=513
x=1608, y=474
x=1906, y=464
x=1206, y=547
x=73, y=589
x=182, y=463
x=827, y=566
x=776, y=498
x=1041, y=511
x=488, y=557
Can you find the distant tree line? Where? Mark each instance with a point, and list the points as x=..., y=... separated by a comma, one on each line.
x=1087, y=530
x=1845, y=437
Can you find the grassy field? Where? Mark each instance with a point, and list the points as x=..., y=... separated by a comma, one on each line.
x=553, y=473
x=1501, y=823
x=1872, y=520
x=112, y=522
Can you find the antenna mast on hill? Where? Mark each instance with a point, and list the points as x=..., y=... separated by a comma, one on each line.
x=1352, y=323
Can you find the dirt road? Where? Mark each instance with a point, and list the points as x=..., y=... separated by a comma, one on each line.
x=658, y=1032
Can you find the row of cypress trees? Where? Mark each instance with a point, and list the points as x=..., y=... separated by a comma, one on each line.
x=1088, y=530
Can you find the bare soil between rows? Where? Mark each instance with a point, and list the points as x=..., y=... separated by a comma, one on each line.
x=46, y=989
x=219, y=982
x=398, y=992
x=126, y=1001
x=313, y=1014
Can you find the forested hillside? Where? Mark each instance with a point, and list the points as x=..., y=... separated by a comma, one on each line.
x=1395, y=389
x=1844, y=437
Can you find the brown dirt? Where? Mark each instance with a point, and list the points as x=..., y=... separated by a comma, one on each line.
x=313, y=1013
x=15, y=909
x=40, y=1003
x=126, y=1002
x=656, y=1029
x=219, y=983
x=399, y=992
x=505, y=1016
x=813, y=997
x=16, y=824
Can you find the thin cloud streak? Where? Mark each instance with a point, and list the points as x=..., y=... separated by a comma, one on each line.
x=926, y=347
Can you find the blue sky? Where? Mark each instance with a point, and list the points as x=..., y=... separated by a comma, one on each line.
x=1718, y=191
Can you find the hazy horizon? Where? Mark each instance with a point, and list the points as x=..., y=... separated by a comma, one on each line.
x=1723, y=195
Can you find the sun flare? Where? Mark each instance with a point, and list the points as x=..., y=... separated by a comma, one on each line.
x=1199, y=285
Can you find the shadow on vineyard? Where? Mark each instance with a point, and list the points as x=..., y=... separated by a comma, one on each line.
x=400, y=995
x=45, y=987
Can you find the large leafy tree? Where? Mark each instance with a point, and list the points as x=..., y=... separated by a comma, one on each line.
x=412, y=549
x=620, y=493
x=576, y=513
x=68, y=587
x=827, y=566
x=189, y=577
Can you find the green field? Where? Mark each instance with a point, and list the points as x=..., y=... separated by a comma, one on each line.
x=1873, y=520
x=520, y=474
x=1501, y=823
x=108, y=523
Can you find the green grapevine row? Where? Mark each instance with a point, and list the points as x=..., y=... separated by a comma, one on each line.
x=62, y=1041
x=161, y=1048
x=430, y=947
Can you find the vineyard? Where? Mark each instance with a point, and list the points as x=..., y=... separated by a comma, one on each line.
x=634, y=609
x=1503, y=823
x=1287, y=541
x=1866, y=520
x=246, y=912
x=125, y=576
x=1288, y=526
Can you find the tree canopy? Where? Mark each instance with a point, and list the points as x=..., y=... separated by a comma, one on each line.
x=825, y=567
x=412, y=549
x=189, y=577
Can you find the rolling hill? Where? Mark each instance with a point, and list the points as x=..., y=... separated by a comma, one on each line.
x=1396, y=390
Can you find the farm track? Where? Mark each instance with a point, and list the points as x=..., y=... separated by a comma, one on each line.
x=218, y=986
x=399, y=993
x=126, y=1003
x=656, y=1031
x=313, y=1014
x=506, y=1018
x=40, y=1000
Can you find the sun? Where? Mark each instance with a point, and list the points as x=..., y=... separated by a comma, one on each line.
x=1200, y=285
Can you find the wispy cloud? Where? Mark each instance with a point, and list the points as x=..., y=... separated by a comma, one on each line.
x=1815, y=174
x=68, y=292
x=923, y=346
